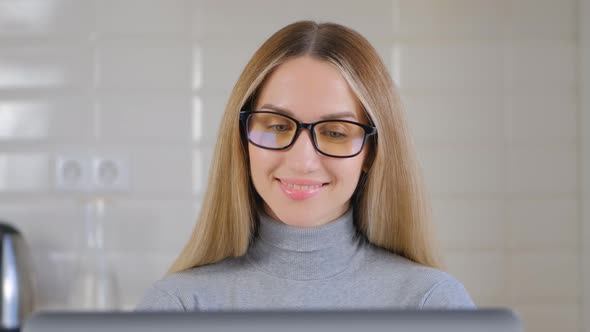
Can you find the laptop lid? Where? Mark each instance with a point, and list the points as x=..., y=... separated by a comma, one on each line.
x=481, y=320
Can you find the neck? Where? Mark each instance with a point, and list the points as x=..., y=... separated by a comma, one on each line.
x=305, y=222
x=304, y=253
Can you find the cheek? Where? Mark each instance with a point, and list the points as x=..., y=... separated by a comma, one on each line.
x=261, y=164
x=255, y=164
x=347, y=171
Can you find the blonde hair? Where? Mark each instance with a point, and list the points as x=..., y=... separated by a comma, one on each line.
x=390, y=203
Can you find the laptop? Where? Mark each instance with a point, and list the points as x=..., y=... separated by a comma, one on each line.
x=480, y=320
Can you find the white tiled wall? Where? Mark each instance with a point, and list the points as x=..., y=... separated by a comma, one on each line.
x=584, y=98
x=491, y=89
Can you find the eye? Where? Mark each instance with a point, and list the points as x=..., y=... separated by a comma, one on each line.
x=280, y=127
x=334, y=134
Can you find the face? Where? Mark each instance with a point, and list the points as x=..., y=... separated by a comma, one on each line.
x=300, y=186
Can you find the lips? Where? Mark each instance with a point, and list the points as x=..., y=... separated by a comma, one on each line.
x=301, y=189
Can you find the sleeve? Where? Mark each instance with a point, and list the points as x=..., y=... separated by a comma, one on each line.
x=156, y=299
x=447, y=294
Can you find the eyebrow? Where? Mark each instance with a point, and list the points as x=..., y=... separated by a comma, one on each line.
x=338, y=115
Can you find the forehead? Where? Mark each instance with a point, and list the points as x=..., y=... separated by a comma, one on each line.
x=309, y=89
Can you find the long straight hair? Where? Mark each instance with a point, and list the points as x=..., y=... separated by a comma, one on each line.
x=390, y=203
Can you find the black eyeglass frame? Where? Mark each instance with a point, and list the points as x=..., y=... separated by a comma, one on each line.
x=245, y=116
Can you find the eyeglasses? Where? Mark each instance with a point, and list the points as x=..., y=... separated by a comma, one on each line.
x=333, y=138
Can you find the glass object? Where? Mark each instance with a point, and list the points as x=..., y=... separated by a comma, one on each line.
x=334, y=138
x=95, y=286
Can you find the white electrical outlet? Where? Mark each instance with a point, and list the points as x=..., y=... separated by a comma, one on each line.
x=92, y=172
x=72, y=172
x=110, y=173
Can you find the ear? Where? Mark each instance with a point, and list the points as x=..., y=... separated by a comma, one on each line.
x=369, y=156
x=367, y=163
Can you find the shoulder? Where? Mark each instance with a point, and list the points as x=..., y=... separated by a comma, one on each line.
x=447, y=292
x=158, y=298
x=424, y=286
x=180, y=291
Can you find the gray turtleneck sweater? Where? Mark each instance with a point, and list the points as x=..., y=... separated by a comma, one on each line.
x=329, y=267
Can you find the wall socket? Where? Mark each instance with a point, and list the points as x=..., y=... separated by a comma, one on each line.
x=92, y=172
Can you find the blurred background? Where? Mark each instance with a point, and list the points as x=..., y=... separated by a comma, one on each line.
x=109, y=110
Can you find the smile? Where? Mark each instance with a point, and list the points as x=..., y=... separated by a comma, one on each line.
x=298, y=187
x=301, y=189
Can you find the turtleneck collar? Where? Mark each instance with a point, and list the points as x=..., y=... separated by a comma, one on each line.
x=301, y=253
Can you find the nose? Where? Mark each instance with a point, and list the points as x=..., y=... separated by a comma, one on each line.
x=302, y=155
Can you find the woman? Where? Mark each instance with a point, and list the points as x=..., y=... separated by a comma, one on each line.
x=314, y=198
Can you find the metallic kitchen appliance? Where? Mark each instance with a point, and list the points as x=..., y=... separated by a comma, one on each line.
x=16, y=285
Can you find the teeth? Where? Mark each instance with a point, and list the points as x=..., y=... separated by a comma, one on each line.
x=298, y=187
